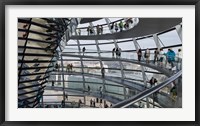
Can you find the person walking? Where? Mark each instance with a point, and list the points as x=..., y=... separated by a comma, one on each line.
x=103, y=72
x=100, y=91
x=98, y=30
x=112, y=26
x=88, y=30
x=88, y=89
x=156, y=56
x=113, y=52
x=171, y=57
x=83, y=50
x=121, y=26
x=139, y=53
x=116, y=27
x=147, y=55
x=179, y=59
x=101, y=29
x=117, y=52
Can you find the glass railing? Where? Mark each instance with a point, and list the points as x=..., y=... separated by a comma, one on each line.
x=165, y=61
x=172, y=100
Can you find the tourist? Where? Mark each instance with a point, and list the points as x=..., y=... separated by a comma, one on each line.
x=171, y=57
x=91, y=102
x=103, y=72
x=139, y=53
x=173, y=92
x=121, y=26
x=112, y=26
x=71, y=67
x=113, y=52
x=98, y=30
x=156, y=56
x=153, y=81
x=179, y=59
x=147, y=55
x=116, y=27
x=88, y=30
x=88, y=89
x=101, y=29
x=68, y=67
x=117, y=52
x=100, y=91
x=83, y=50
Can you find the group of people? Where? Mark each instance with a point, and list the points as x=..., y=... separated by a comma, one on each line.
x=99, y=29
x=173, y=91
x=69, y=67
x=116, y=51
x=100, y=101
x=160, y=56
x=120, y=26
x=114, y=26
x=146, y=55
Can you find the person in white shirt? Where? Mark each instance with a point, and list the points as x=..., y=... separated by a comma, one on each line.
x=147, y=55
x=179, y=58
x=179, y=55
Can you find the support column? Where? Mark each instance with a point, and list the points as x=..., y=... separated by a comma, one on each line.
x=82, y=66
x=121, y=65
x=143, y=71
x=155, y=37
x=179, y=31
x=62, y=77
x=99, y=54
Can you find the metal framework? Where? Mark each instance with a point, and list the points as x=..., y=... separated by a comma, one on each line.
x=43, y=56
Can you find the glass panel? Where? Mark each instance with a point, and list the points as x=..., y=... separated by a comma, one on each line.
x=71, y=49
x=111, y=64
x=71, y=41
x=170, y=38
x=90, y=48
x=108, y=47
x=126, y=46
x=99, y=22
x=133, y=75
x=87, y=41
x=147, y=43
x=114, y=73
x=94, y=86
x=110, y=82
x=114, y=89
x=74, y=85
x=89, y=79
x=105, y=41
x=114, y=19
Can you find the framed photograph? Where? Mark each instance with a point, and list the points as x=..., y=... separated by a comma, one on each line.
x=104, y=63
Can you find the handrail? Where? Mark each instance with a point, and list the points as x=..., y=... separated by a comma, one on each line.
x=147, y=92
